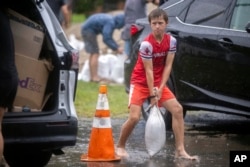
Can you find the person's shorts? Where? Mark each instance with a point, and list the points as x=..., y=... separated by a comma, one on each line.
x=138, y=94
x=8, y=72
x=90, y=42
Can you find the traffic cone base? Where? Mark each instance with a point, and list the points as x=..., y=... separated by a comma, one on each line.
x=85, y=157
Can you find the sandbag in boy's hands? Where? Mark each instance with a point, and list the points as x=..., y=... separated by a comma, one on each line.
x=155, y=131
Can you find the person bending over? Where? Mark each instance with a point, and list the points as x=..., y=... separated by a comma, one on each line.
x=104, y=24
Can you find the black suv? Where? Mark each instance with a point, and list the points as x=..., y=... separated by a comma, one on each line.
x=212, y=63
x=44, y=119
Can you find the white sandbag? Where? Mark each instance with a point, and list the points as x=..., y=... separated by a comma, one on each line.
x=104, y=65
x=155, y=131
x=84, y=75
x=117, y=71
x=75, y=43
x=110, y=67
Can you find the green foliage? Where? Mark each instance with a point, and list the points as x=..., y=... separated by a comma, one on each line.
x=86, y=6
x=87, y=96
x=92, y=6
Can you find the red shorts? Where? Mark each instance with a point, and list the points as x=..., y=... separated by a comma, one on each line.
x=138, y=94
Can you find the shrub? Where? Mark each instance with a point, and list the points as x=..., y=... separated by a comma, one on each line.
x=88, y=7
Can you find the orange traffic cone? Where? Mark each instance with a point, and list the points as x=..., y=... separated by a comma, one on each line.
x=101, y=145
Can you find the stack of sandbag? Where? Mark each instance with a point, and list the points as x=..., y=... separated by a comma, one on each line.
x=110, y=67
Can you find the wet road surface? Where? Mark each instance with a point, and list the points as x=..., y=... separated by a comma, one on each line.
x=209, y=135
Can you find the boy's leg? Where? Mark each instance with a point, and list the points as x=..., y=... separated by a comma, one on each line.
x=176, y=110
x=127, y=128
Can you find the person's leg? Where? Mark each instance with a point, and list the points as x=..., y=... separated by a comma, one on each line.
x=127, y=44
x=8, y=71
x=127, y=128
x=176, y=110
x=70, y=9
x=2, y=111
x=91, y=47
x=93, y=67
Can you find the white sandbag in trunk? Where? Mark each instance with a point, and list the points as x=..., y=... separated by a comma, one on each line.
x=155, y=131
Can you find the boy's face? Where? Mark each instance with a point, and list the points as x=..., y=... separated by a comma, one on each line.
x=158, y=25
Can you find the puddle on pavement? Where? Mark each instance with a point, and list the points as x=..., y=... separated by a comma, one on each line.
x=212, y=147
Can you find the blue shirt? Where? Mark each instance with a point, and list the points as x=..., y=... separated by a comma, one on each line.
x=105, y=24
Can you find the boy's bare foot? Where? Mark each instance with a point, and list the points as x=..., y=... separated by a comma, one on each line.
x=122, y=152
x=184, y=155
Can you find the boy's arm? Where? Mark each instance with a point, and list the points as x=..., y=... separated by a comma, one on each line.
x=146, y=50
x=167, y=69
x=168, y=63
x=148, y=66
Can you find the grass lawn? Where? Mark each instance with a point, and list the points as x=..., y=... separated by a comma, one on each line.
x=78, y=18
x=87, y=96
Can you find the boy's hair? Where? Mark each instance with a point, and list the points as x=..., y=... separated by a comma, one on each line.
x=157, y=13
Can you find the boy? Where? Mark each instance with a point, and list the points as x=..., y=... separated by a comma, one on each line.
x=152, y=69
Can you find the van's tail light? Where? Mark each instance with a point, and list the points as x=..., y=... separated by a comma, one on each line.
x=134, y=29
x=70, y=60
x=75, y=59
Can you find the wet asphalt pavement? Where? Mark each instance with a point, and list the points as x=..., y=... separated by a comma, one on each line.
x=209, y=135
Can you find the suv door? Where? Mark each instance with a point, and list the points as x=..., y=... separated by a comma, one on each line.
x=235, y=50
x=197, y=66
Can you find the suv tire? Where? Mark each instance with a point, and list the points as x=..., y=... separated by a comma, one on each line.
x=28, y=158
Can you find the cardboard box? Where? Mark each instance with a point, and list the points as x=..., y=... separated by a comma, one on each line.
x=33, y=76
x=28, y=35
